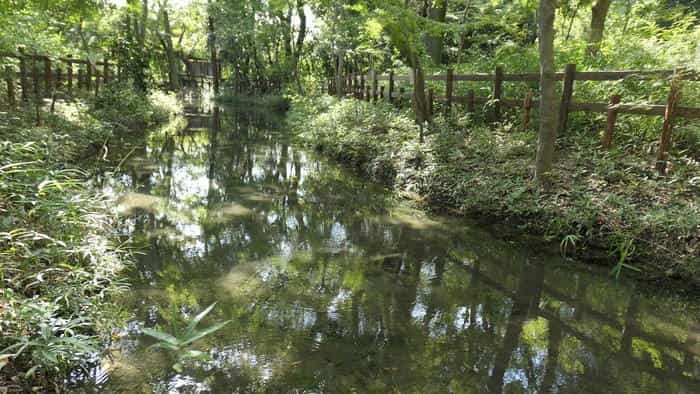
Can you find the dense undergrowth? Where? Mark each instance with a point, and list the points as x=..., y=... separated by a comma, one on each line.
x=60, y=258
x=609, y=207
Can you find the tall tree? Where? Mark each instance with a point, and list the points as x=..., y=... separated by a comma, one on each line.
x=167, y=42
x=434, y=39
x=403, y=27
x=548, y=110
x=141, y=36
x=598, y=16
x=298, y=48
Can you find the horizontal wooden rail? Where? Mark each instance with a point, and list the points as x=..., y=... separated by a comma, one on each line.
x=636, y=109
x=641, y=75
x=632, y=109
x=41, y=76
x=45, y=57
x=366, y=86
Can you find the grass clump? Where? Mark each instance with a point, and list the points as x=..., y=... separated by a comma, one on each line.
x=127, y=110
x=61, y=260
x=602, y=204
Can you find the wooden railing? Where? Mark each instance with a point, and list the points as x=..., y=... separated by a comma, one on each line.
x=43, y=75
x=373, y=87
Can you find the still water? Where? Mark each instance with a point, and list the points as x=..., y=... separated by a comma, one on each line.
x=333, y=287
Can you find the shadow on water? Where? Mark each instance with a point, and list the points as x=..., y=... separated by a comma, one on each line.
x=334, y=287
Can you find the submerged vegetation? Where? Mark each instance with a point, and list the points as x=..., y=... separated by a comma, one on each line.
x=606, y=207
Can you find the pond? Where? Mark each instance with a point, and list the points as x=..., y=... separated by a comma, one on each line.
x=331, y=285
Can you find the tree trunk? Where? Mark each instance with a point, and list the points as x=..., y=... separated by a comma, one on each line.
x=287, y=21
x=214, y=61
x=299, y=44
x=420, y=103
x=434, y=43
x=339, y=77
x=463, y=35
x=548, y=103
x=598, y=16
x=142, y=27
x=173, y=69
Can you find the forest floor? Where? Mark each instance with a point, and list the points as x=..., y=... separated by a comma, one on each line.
x=604, y=207
x=61, y=258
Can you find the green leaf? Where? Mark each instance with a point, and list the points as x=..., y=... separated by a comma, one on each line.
x=200, y=334
x=196, y=355
x=164, y=345
x=162, y=336
x=199, y=317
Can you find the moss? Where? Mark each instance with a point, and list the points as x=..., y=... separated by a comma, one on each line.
x=600, y=201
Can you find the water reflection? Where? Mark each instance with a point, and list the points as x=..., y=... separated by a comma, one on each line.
x=333, y=287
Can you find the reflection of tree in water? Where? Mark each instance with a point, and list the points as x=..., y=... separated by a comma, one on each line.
x=337, y=291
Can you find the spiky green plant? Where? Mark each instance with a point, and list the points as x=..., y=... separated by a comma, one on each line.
x=179, y=342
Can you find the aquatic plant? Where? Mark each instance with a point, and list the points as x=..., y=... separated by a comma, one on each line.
x=179, y=341
x=624, y=250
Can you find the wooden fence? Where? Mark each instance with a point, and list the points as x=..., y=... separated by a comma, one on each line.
x=41, y=76
x=373, y=87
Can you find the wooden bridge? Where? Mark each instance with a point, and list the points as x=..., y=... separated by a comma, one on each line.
x=199, y=71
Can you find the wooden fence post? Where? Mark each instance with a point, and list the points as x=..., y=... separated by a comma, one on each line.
x=449, y=88
x=348, y=83
x=105, y=72
x=390, y=97
x=674, y=97
x=35, y=79
x=362, y=85
x=37, y=89
x=610, y=123
x=59, y=78
x=402, y=92
x=69, y=72
x=470, y=101
x=374, y=85
x=431, y=104
x=567, y=92
x=527, y=107
x=381, y=92
x=497, y=91
x=353, y=84
x=47, y=76
x=81, y=77
x=97, y=81
x=9, y=80
x=88, y=76
x=23, y=74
